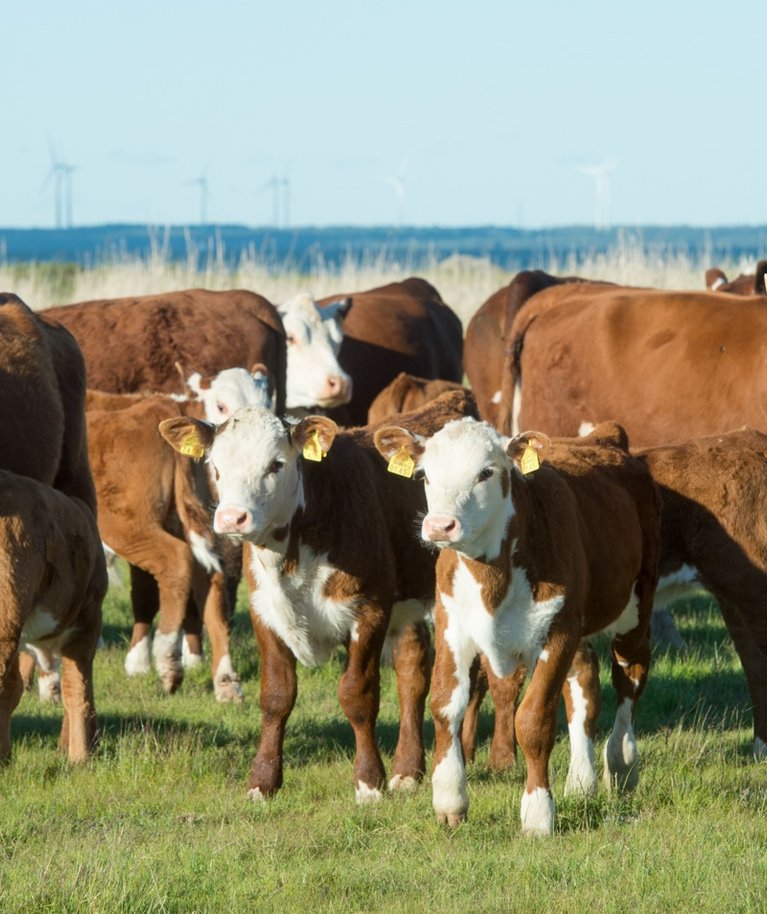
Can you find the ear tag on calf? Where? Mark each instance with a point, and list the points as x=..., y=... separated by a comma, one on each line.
x=190, y=445
x=402, y=464
x=529, y=462
x=313, y=448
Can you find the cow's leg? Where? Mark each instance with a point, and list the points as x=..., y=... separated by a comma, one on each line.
x=210, y=592
x=631, y=661
x=48, y=678
x=359, y=693
x=11, y=689
x=750, y=639
x=478, y=687
x=535, y=725
x=145, y=601
x=583, y=699
x=278, y=695
x=191, y=647
x=449, y=699
x=505, y=690
x=27, y=665
x=411, y=662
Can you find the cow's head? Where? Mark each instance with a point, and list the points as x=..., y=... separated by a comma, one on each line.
x=314, y=336
x=224, y=393
x=256, y=460
x=466, y=469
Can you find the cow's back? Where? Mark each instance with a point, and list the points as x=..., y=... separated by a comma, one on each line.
x=133, y=344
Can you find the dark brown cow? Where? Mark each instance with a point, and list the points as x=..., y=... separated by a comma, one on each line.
x=745, y=284
x=403, y=326
x=42, y=436
x=133, y=344
x=669, y=366
x=534, y=558
x=331, y=559
x=404, y=394
x=484, y=346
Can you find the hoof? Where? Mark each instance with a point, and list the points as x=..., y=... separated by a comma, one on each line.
x=228, y=690
x=451, y=819
x=402, y=783
x=367, y=795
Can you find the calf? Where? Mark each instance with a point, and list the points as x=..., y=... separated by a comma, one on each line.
x=533, y=560
x=53, y=582
x=331, y=559
x=406, y=393
x=745, y=284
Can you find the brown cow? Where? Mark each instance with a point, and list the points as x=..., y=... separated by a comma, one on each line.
x=669, y=366
x=535, y=558
x=745, y=284
x=331, y=559
x=43, y=436
x=133, y=344
x=404, y=394
x=403, y=326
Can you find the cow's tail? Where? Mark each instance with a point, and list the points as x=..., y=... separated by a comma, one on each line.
x=194, y=518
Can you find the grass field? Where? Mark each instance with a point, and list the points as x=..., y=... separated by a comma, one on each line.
x=158, y=821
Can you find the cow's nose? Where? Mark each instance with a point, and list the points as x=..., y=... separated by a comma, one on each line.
x=232, y=519
x=441, y=528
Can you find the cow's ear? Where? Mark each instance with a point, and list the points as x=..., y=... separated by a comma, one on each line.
x=528, y=451
x=393, y=439
x=191, y=437
x=314, y=436
x=715, y=278
x=337, y=309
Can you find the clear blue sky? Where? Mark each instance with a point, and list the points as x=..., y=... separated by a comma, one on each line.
x=486, y=109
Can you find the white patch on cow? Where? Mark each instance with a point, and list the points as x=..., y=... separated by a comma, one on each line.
x=403, y=614
x=113, y=572
x=628, y=619
x=314, y=377
x=366, y=794
x=581, y=776
x=621, y=755
x=44, y=658
x=402, y=783
x=49, y=686
x=719, y=281
x=295, y=607
x=188, y=659
x=517, y=629
x=516, y=408
x=255, y=794
x=226, y=683
x=760, y=750
x=544, y=655
x=166, y=651
x=38, y=625
x=496, y=398
x=676, y=586
x=537, y=812
x=585, y=428
x=138, y=660
x=203, y=552
x=230, y=390
x=448, y=784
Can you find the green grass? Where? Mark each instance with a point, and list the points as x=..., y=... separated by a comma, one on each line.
x=158, y=821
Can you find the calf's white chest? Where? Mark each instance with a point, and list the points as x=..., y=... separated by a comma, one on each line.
x=513, y=632
x=296, y=607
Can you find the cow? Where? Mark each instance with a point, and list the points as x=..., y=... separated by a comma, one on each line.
x=486, y=332
x=406, y=393
x=745, y=284
x=331, y=559
x=43, y=437
x=402, y=326
x=669, y=366
x=541, y=544
x=133, y=344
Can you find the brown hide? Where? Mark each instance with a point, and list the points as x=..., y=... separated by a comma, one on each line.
x=404, y=394
x=745, y=284
x=403, y=326
x=668, y=366
x=132, y=344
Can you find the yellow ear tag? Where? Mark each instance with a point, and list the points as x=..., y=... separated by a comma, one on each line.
x=313, y=448
x=402, y=464
x=529, y=462
x=190, y=445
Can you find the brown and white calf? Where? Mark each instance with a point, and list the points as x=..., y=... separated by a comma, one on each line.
x=51, y=587
x=331, y=560
x=405, y=393
x=531, y=563
x=745, y=284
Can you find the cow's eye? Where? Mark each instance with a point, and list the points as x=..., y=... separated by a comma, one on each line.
x=290, y=338
x=485, y=474
x=221, y=407
x=274, y=467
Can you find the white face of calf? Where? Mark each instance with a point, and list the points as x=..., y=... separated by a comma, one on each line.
x=314, y=336
x=255, y=466
x=230, y=390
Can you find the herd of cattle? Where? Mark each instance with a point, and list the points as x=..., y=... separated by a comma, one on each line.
x=363, y=491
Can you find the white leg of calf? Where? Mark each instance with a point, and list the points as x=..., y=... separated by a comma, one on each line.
x=138, y=660
x=226, y=683
x=189, y=659
x=367, y=794
x=621, y=755
x=448, y=782
x=166, y=649
x=537, y=812
x=760, y=750
x=582, y=775
x=401, y=783
x=49, y=686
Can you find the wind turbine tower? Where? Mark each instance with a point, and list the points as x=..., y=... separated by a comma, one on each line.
x=397, y=182
x=602, y=175
x=61, y=174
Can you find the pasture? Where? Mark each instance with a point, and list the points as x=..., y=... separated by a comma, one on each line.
x=158, y=820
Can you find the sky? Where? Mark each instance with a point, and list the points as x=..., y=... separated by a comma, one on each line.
x=480, y=112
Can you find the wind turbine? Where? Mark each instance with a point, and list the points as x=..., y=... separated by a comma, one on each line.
x=276, y=184
x=61, y=174
x=602, y=175
x=202, y=182
x=397, y=181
